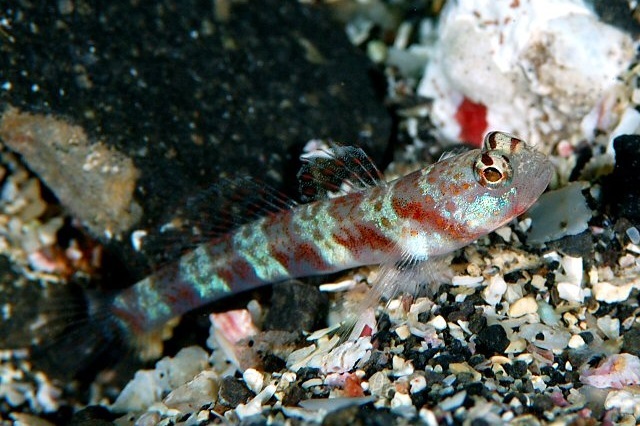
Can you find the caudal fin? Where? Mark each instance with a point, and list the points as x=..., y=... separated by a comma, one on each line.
x=71, y=334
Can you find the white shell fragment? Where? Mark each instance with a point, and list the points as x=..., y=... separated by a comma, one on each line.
x=544, y=336
x=627, y=401
x=609, y=293
x=493, y=293
x=202, y=390
x=559, y=213
x=524, y=306
x=148, y=386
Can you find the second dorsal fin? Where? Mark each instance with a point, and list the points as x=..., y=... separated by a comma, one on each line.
x=224, y=206
x=333, y=169
x=232, y=202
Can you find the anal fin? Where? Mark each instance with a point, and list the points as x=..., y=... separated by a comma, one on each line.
x=410, y=276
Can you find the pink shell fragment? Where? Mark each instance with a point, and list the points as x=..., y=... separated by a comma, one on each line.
x=616, y=371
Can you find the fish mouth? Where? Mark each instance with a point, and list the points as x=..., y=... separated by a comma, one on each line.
x=536, y=176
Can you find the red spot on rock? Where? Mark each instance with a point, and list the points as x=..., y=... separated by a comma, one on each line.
x=472, y=118
x=366, y=331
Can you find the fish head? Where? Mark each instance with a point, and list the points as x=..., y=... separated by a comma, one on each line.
x=508, y=177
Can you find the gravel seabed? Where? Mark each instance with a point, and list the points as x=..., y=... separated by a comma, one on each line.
x=538, y=324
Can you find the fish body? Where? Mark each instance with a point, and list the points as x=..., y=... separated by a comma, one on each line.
x=424, y=214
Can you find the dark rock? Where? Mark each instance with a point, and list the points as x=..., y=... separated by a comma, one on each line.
x=517, y=369
x=476, y=359
x=477, y=322
x=306, y=373
x=93, y=415
x=580, y=245
x=292, y=396
x=384, y=337
x=189, y=95
x=476, y=388
x=377, y=361
x=272, y=363
x=360, y=416
x=587, y=337
x=233, y=392
x=621, y=189
x=492, y=340
x=541, y=403
x=296, y=307
x=463, y=311
x=420, y=358
x=631, y=341
x=257, y=420
x=617, y=13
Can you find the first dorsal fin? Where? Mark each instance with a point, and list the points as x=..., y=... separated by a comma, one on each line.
x=452, y=153
x=333, y=169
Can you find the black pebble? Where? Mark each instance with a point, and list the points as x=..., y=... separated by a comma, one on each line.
x=492, y=340
x=621, y=189
x=631, y=342
x=476, y=388
x=292, y=396
x=587, y=337
x=233, y=392
x=296, y=307
x=272, y=363
x=306, y=373
x=93, y=415
x=517, y=369
x=360, y=416
x=541, y=403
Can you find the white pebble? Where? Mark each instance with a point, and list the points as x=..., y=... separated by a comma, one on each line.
x=504, y=232
x=570, y=292
x=538, y=383
x=438, y=322
x=401, y=367
x=606, y=292
x=538, y=282
x=466, y=281
x=572, y=269
x=428, y=417
x=402, y=404
x=136, y=238
x=337, y=287
x=633, y=234
x=379, y=383
x=492, y=294
x=626, y=261
x=576, y=341
x=403, y=332
x=524, y=306
x=626, y=401
x=254, y=379
x=417, y=383
x=609, y=326
x=311, y=383
x=453, y=402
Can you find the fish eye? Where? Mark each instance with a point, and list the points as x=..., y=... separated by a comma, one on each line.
x=492, y=174
x=492, y=171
